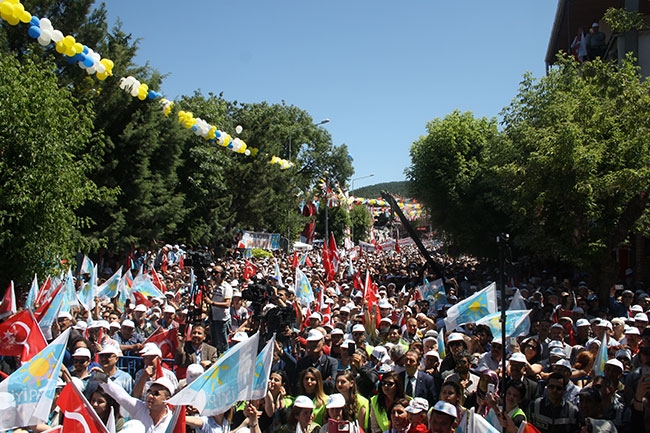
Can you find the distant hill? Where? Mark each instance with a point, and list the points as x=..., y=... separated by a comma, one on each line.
x=374, y=191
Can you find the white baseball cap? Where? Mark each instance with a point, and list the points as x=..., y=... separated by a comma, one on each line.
x=417, y=405
x=446, y=408
x=335, y=401
x=303, y=402
x=315, y=335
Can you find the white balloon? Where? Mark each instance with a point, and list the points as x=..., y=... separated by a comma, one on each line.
x=100, y=67
x=238, y=129
x=46, y=24
x=247, y=152
x=43, y=41
x=57, y=35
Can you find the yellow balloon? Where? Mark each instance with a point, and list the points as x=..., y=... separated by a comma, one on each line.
x=60, y=48
x=142, y=96
x=78, y=48
x=68, y=41
x=6, y=9
x=13, y=20
x=25, y=17
x=108, y=64
x=101, y=76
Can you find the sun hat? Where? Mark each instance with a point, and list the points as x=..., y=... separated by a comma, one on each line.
x=445, y=407
x=315, y=335
x=417, y=405
x=303, y=402
x=335, y=401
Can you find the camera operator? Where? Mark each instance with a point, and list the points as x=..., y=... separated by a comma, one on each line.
x=220, y=304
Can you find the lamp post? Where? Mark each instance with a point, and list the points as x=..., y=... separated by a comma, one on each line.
x=291, y=131
x=352, y=189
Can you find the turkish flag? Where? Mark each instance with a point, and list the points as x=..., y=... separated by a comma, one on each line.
x=78, y=415
x=398, y=250
x=21, y=335
x=294, y=262
x=177, y=423
x=42, y=309
x=249, y=270
x=167, y=341
x=157, y=281
x=141, y=299
x=8, y=305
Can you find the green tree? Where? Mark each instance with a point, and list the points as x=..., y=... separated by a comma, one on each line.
x=450, y=176
x=43, y=169
x=575, y=167
x=361, y=221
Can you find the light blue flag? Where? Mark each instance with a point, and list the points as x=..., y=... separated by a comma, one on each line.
x=442, y=351
x=70, y=290
x=434, y=292
x=124, y=289
x=147, y=288
x=86, y=266
x=601, y=357
x=304, y=293
x=31, y=296
x=108, y=289
x=228, y=381
x=473, y=308
x=58, y=305
x=278, y=274
x=263, y=365
x=517, y=323
x=517, y=302
x=26, y=396
x=473, y=423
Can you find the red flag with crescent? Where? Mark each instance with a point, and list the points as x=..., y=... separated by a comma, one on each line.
x=167, y=341
x=78, y=415
x=20, y=335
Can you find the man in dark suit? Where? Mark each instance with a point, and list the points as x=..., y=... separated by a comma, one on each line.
x=417, y=383
x=314, y=357
x=195, y=351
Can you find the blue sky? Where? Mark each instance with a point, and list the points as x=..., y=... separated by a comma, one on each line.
x=379, y=70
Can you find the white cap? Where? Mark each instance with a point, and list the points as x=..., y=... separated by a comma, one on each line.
x=151, y=349
x=417, y=405
x=303, y=402
x=344, y=309
x=163, y=381
x=642, y=317
x=169, y=309
x=455, y=336
x=433, y=353
x=110, y=349
x=239, y=337
x=582, y=322
x=557, y=352
x=140, y=307
x=636, y=308
x=236, y=293
x=81, y=352
x=128, y=323
x=315, y=335
x=632, y=330
x=64, y=315
x=114, y=325
x=381, y=354
x=316, y=315
x=358, y=328
x=563, y=363
x=385, y=304
x=446, y=408
x=615, y=363
x=99, y=324
x=518, y=357
x=335, y=401
x=605, y=323
x=337, y=331
x=193, y=372
x=80, y=325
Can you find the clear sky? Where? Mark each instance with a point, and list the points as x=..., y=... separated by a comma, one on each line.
x=379, y=70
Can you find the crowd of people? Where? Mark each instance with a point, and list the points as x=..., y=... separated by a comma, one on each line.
x=340, y=365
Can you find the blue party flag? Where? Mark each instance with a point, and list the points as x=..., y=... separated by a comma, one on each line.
x=26, y=396
x=263, y=365
x=304, y=293
x=473, y=308
x=442, y=351
x=108, y=289
x=33, y=293
x=517, y=323
x=58, y=305
x=601, y=357
x=228, y=381
x=434, y=292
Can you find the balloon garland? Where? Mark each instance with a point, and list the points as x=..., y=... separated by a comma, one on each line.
x=13, y=12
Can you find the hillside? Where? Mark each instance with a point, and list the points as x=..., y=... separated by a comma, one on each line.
x=399, y=189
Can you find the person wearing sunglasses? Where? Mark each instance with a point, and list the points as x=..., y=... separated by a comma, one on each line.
x=390, y=390
x=553, y=413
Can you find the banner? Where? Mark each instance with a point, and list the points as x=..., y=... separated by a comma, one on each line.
x=265, y=241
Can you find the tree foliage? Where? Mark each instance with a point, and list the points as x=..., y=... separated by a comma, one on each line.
x=43, y=169
x=449, y=174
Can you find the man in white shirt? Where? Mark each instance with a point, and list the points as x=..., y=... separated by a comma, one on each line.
x=220, y=305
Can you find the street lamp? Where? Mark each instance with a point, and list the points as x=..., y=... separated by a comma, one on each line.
x=352, y=189
x=291, y=131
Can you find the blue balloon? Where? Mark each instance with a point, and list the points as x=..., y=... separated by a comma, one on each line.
x=195, y=128
x=88, y=62
x=34, y=31
x=70, y=60
x=230, y=145
x=85, y=50
x=35, y=21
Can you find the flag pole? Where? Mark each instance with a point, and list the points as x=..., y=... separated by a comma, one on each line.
x=502, y=242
